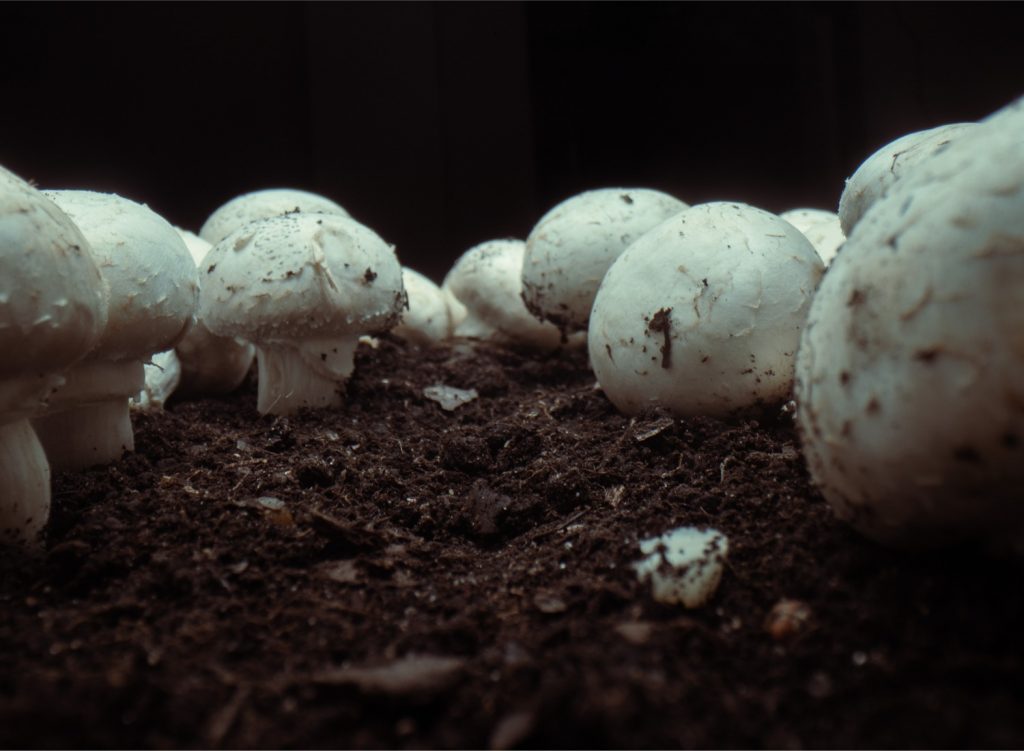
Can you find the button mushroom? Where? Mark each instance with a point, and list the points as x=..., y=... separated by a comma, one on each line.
x=910, y=400
x=263, y=204
x=302, y=288
x=429, y=317
x=152, y=282
x=53, y=308
x=571, y=247
x=821, y=228
x=702, y=315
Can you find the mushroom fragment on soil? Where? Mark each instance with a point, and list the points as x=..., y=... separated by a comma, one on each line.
x=683, y=565
x=302, y=288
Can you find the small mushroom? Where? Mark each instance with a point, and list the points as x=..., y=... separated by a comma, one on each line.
x=152, y=282
x=302, y=288
x=910, y=401
x=573, y=245
x=702, y=315
x=429, y=317
x=263, y=204
x=486, y=283
x=887, y=165
x=53, y=308
x=821, y=228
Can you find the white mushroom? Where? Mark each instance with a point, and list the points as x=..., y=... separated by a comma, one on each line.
x=263, y=204
x=702, y=315
x=302, y=288
x=572, y=246
x=821, y=228
x=53, y=308
x=429, y=317
x=486, y=281
x=909, y=388
x=684, y=565
x=887, y=165
x=152, y=282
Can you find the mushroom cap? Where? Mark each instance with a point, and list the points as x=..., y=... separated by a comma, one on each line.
x=909, y=390
x=428, y=318
x=821, y=227
x=887, y=165
x=53, y=301
x=572, y=246
x=301, y=276
x=197, y=246
x=487, y=280
x=263, y=204
x=702, y=315
x=149, y=271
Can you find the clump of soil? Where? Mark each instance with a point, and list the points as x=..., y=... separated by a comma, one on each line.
x=394, y=574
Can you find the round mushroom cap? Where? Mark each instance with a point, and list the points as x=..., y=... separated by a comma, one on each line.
x=487, y=281
x=821, y=228
x=574, y=244
x=53, y=300
x=702, y=315
x=263, y=204
x=909, y=390
x=197, y=246
x=428, y=318
x=887, y=165
x=149, y=271
x=301, y=276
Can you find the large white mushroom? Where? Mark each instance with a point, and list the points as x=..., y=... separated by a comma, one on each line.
x=702, y=315
x=486, y=285
x=909, y=388
x=887, y=165
x=263, y=204
x=570, y=249
x=152, y=282
x=302, y=288
x=428, y=318
x=821, y=227
x=53, y=308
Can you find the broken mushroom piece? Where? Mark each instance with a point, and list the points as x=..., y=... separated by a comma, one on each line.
x=263, y=204
x=302, y=288
x=429, y=317
x=702, y=315
x=53, y=308
x=574, y=244
x=152, y=283
x=486, y=281
x=887, y=165
x=821, y=228
x=909, y=389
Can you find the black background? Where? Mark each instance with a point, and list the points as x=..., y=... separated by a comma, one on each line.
x=443, y=125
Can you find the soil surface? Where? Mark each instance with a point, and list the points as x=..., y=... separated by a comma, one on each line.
x=395, y=574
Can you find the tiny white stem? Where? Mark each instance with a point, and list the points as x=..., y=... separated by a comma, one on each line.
x=308, y=374
x=24, y=484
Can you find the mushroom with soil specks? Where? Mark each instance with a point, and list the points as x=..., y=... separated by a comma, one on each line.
x=909, y=389
x=263, y=204
x=702, y=315
x=573, y=245
x=821, y=228
x=887, y=165
x=53, y=308
x=302, y=288
x=429, y=317
x=152, y=283
x=486, y=284
x=683, y=565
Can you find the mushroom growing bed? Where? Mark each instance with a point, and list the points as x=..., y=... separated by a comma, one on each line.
x=407, y=570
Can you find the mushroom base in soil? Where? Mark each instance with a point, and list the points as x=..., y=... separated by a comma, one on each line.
x=89, y=421
x=309, y=374
x=25, y=479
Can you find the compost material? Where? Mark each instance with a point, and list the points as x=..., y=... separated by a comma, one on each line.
x=409, y=572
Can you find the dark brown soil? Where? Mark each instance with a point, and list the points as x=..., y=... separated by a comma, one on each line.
x=392, y=574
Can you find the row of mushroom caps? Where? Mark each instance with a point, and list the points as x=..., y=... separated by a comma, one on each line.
x=702, y=310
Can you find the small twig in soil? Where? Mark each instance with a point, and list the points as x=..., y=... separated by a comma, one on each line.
x=553, y=527
x=224, y=718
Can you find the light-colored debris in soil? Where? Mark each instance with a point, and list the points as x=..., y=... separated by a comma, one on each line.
x=449, y=397
x=787, y=618
x=683, y=565
x=406, y=676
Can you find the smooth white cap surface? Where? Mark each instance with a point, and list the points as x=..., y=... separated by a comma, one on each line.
x=263, y=204
x=428, y=318
x=821, y=228
x=573, y=245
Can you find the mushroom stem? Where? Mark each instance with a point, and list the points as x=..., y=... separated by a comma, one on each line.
x=24, y=484
x=88, y=422
x=309, y=374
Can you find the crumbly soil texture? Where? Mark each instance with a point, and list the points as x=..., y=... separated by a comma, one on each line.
x=394, y=574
